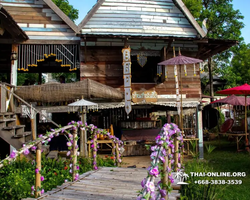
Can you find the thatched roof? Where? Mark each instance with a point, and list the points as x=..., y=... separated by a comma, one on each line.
x=56, y=92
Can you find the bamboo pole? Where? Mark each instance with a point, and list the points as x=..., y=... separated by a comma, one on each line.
x=74, y=151
x=169, y=152
x=164, y=180
x=117, y=153
x=38, y=166
x=176, y=148
x=95, y=148
x=33, y=131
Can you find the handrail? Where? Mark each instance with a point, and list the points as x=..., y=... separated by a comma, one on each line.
x=30, y=105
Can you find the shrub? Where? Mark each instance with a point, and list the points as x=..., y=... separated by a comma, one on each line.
x=17, y=178
x=195, y=191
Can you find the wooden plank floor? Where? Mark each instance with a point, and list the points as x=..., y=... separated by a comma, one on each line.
x=104, y=184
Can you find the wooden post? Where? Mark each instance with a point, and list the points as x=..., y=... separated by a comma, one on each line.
x=13, y=75
x=113, y=149
x=176, y=148
x=38, y=166
x=74, y=151
x=3, y=99
x=164, y=180
x=83, y=137
x=117, y=153
x=95, y=148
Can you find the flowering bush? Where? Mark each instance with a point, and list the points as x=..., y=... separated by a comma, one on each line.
x=160, y=152
x=17, y=178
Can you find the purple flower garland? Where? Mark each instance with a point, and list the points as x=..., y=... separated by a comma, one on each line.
x=75, y=125
x=164, y=141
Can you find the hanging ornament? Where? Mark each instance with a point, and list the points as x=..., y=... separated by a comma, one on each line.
x=185, y=70
x=194, y=70
x=166, y=72
x=159, y=70
x=175, y=71
x=201, y=67
x=141, y=59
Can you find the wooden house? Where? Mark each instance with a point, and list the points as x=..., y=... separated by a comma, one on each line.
x=151, y=29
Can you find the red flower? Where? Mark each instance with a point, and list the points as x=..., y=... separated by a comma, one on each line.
x=112, y=157
x=106, y=156
x=55, y=173
x=65, y=168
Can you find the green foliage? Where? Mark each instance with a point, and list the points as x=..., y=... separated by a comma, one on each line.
x=193, y=151
x=69, y=77
x=194, y=191
x=68, y=9
x=210, y=148
x=16, y=178
x=194, y=6
x=223, y=22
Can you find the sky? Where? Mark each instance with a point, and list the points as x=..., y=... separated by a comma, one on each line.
x=243, y=5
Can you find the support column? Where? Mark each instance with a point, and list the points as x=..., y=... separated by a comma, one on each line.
x=13, y=75
x=200, y=132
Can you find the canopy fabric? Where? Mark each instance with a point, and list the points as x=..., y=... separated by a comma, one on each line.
x=180, y=60
x=232, y=100
x=241, y=90
x=83, y=102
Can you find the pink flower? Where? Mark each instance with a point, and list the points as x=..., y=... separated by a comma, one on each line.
x=77, y=167
x=42, y=178
x=37, y=171
x=65, y=181
x=69, y=144
x=33, y=148
x=33, y=188
x=95, y=167
x=40, y=136
x=163, y=193
x=143, y=182
x=13, y=154
x=42, y=191
x=150, y=186
x=26, y=151
x=49, y=140
x=154, y=171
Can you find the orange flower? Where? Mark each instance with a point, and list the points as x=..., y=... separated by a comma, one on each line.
x=112, y=157
x=65, y=168
x=55, y=173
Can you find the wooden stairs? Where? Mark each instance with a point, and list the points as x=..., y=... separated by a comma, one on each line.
x=12, y=133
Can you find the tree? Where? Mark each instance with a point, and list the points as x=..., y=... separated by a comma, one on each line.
x=68, y=9
x=223, y=22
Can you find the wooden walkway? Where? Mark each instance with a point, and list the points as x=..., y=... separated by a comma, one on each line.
x=104, y=184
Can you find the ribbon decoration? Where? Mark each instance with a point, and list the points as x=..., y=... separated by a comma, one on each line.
x=194, y=70
x=159, y=70
x=127, y=78
x=166, y=71
x=201, y=67
x=185, y=70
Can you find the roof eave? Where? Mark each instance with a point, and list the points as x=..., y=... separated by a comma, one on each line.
x=190, y=17
x=62, y=15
